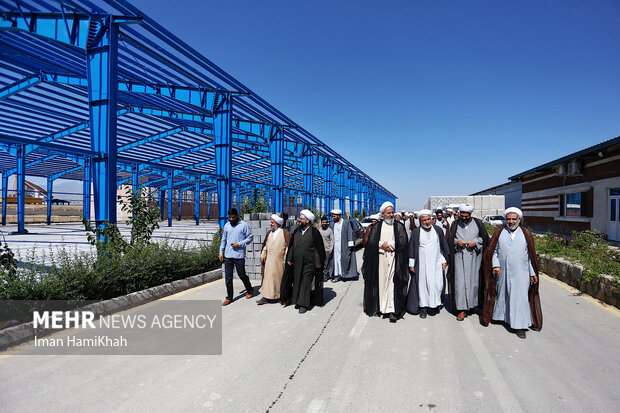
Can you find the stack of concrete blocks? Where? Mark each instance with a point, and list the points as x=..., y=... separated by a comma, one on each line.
x=259, y=224
x=483, y=204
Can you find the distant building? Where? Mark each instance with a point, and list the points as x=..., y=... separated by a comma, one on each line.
x=510, y=190
x=483, y=204
x=580, y=191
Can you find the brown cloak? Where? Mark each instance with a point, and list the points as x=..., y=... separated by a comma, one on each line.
x=490, y=288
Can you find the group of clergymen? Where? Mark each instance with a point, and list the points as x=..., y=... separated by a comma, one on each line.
x=404, y=267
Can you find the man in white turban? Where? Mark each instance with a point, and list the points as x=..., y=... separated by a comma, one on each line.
x=450, y=216
x=344, y=265
x=306, y=255
x=385, y=269
x=272, y=258
x=428, y=258
x=511, y=276
x=467, y=240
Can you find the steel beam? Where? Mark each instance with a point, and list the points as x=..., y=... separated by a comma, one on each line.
x=102, y=62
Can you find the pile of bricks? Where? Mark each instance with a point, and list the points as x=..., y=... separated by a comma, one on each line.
x=259, y=225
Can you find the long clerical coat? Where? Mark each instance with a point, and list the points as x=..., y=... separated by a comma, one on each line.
x=342, y=254
x=370, y=269
x=274, y=253
x=307, y=254
x=413, y=296
x=470, y=272
x=517, y=260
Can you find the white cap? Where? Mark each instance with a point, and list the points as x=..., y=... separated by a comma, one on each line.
x=466, y=208
x=424, y=212
x=336, y=212
x=276, y=218
x=385, y=205
x=307, y=214
x=513, y=210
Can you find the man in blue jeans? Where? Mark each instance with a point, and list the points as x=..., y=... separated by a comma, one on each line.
x=235, y=236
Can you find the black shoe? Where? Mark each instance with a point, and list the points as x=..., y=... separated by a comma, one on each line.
x=262, y=301
x=393, y=318
x=302, y=310
x=423, y=313
x=336, y=279
x=521, y=334
x=433, y=311
x=325, y=278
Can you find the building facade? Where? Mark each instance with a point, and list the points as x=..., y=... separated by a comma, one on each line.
x=580, y=191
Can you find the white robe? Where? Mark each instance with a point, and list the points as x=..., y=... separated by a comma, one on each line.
x=386, y=270
x=337, y=248
x=430, y=277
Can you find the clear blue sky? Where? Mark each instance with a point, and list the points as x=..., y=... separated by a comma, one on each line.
x=428, y=97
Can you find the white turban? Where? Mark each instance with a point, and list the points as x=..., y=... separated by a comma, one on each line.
x=276, y=218
x=466, y=208
x=424, y=212
x=375, y=216
x=399, y=214
x=336, y=212
x=449, y=210
x=385, y=205
x=513, y=210
x=307, y=214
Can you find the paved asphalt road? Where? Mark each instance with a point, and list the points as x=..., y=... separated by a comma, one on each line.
x=335, y=359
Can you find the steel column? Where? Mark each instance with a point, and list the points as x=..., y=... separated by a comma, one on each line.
x=162, y=202
x=21, y=189
x=170, y=182
x=222, y=131
x=180, y=204
x=134, y=178
x=50, y=186
x=197, y=202
x=341, y=189
x=101, y=58
x=328, y=179
x=276, y=156
x=307, y=167
x=86, y=189
x=5, y=196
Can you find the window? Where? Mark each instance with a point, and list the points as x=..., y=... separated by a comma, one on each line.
x=614, y=191
x=574, y=204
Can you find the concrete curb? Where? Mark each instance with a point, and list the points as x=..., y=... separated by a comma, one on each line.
x=601, y=287
x=24, y=332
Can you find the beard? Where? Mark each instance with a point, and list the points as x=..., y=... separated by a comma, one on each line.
x=389, y=221
x=273, y=229
x=513, y=227
x=427, y=226
x=304, y=224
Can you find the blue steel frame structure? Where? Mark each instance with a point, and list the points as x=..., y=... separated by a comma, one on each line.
x=97, y=91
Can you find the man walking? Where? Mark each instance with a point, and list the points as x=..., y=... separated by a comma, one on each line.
x=511, y=276
x=236, y=235
x=344, y=264
x=468, y=240
x=328, y=243
x=428, y=258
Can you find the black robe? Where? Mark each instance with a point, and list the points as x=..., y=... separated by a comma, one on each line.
x=370, y=269
x=485, y=243
x=302, y=282
x=413, y=298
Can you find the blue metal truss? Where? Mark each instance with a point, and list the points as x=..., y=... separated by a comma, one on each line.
x=95, y=90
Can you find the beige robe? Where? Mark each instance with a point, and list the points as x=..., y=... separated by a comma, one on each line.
x=386, y=270
x=274, y=253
